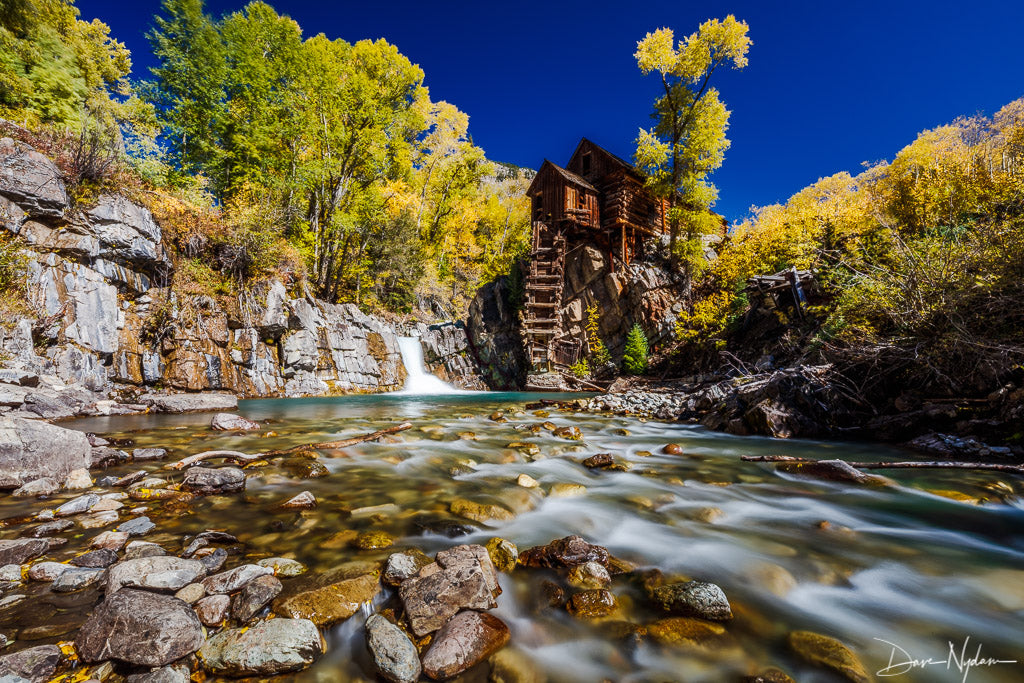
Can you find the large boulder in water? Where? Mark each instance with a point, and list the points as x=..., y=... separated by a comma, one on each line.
x=31, y=449
x=566, y=553
x=141, y=628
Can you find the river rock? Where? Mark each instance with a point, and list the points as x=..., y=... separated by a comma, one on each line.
x=214, y=562
x=394, y=654
x=480, y=512
x=78, y=479
x=269, y=648
x=46, y=571
x=32, y=449
x=565, y=489
x=186, y=403
x=144, y=454
x=469, y=638
x=833, y=470
x=37, y=487
x=565, y=553
x=35, y=664
x=589, y=575
x=139, y=627
x=139, y=526
x=77, y=578
x=227, y=422
x=828, y=653
x=207, y=481
x=97, y=520
x=49, y=528
x=111, y=540
x=572, y=433
x=303, y=501
x=282, y=566
x=254, y=596
x=401, y=566
x=213, y=610
x=137, y=550
x=503, y=553
x=160, y=573
x=470, y=555
x=527, y=482
x=331, y=603
x=234, y=579
x=192, y=593
x=21, y=550
x=373, y=540
x=768, y=676
x=592, y=604
x=165, y=674
x=435, y=595
x=101, y=558
x=693, y=599
x=78, y=505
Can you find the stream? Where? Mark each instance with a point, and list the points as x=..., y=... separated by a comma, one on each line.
x=919, y=565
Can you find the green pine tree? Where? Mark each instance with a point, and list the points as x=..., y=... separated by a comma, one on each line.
x=634, y=361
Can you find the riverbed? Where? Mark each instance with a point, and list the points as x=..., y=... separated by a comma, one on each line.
x=934, y=560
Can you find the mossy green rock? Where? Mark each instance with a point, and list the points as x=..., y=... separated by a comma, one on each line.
x=592, y=604
x=684, y=631
x=374, y=540
x=504, y=554
x=829, y=653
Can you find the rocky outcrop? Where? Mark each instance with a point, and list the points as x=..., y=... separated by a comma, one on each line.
x=105, y=317
x=31, y=450
x=642, y=293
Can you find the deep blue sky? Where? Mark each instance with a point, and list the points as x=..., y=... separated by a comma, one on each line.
x=830, y=84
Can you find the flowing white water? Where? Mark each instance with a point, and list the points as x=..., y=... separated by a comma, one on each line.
x=418, y=380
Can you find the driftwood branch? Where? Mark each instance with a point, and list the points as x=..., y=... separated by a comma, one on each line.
x=344, y=443
x=237, y=456
x=913, y=464
x=573, y=378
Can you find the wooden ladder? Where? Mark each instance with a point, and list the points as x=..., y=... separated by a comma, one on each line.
x=544, y=284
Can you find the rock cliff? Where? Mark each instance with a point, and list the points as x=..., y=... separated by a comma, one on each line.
x=104, y=316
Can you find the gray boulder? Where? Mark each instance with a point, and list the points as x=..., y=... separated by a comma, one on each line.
x=208, y=481
x=694, y=599
x=35, y=664
x=31, y=450
x=21, y=550
x=159, y=573
x=394, y=655
x=141, y=628
x=226, y=422
x=186, y=403
x=126, y=232
x=269, y=648
x=31, y=181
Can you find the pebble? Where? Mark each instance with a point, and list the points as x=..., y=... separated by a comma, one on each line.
x=591, y=604
x=111, y=540
x=97, y=520
x=589, y=575
x=693, y=599
x=78, y=479
x=503, y=553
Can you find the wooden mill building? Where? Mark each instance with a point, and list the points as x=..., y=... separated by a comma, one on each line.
x=599, y=200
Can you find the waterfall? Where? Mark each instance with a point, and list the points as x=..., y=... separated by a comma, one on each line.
x=418, y=380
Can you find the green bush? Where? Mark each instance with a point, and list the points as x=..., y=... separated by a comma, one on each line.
x=580, y=369
x=634, y=361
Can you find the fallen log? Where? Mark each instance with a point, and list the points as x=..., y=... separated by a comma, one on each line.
x=912, y=464
x=590, y=385
x=344, y=443
x=237, y=456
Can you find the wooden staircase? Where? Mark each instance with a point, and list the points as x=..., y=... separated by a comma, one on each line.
x=544, y=285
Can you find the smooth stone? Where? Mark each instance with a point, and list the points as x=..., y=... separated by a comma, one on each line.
x=589, y=575
x=693, y=599
x=503, y=554
x=829, y=653
x=468, y=639
x=107, y=505
x=129, y=479
x=567, y=490
x=192, y=593
x=282, y=566
x=233, y=579
x=35, y=664
x=139, y=627
x=684, y=631
x=374, y=540
x=144, y=454
x=213, y=609
x=527, y=482
x=402, y=566
x=97, y=520
x=160, y=573
x=78, y=479
x=207, y=481
x=138, y=526
x=592, y=604
x=331, y=603
x=480, y=512
x=394, y=654
x=303, y=501
x=46, y=571
x=165, y=674
x=101, y=558
x=78, y=505
x=136, y=550
x=111, y=540
x=269, y=648
x=37, y=487
x=254, y=597
x=227, y=422
x=21, y=550
x=215, y=560
x=77, y=578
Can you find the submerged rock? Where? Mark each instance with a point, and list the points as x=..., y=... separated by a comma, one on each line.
x=468, y=639
x=141, y=628
x=394, y=654
x=684, y=631
x=693, y=599
x=768, y=676
x=331, y=603
x=207, y=481
x=269, y=648
x=374, y=540
x=833, y=470
x=592, y=604
x=282, y=566
x=303, y=501
x=480, y=512
x=828, y=653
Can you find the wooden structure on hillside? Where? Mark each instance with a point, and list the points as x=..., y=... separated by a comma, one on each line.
x=597, y=199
